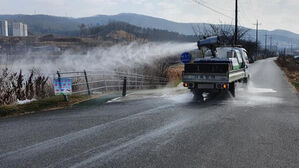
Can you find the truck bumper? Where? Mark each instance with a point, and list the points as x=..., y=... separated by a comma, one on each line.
x=206, y=86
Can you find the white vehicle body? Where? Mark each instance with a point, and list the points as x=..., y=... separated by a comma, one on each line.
x=217, y=73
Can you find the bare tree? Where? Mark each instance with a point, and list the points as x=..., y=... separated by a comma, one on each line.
x=82, y=30
x=224, y=31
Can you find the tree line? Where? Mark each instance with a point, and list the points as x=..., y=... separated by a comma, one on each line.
x=149, y=34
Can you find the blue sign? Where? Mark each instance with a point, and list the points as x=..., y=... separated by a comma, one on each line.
x=64, y=87
x=186, y=57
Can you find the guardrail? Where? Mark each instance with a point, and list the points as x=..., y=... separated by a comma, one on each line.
x=93, y=82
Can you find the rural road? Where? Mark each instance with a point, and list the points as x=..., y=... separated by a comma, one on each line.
x=259, y=128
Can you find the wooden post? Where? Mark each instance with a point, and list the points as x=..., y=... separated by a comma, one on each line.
x=125, y=87
x=119, y=82
x=87, y=84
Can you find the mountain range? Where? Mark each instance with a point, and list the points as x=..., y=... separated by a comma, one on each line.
x=46, y=24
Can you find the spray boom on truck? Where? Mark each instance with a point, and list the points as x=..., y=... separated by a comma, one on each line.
x=211, y=43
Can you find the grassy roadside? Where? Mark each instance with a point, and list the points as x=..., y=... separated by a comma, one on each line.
x=174, y=74
x=292, y=76
x=296, y=84
x=51, y=103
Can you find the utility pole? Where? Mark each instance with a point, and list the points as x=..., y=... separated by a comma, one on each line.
x=257, y=38
x=236, y=24
x=266, y=40
x=291, y=48
x=284, y=52
x=270, y=43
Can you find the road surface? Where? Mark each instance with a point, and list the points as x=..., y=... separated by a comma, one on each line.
x=165, y=128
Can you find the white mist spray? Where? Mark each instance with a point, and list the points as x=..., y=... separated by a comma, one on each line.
x=104, y=58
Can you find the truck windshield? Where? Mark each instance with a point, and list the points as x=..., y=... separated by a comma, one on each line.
x=240, y=60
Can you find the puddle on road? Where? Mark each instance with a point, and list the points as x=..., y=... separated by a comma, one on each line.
x=246, y=95
x=178, y=94
x=254, y=100
x=249, y=95
x=257, y=90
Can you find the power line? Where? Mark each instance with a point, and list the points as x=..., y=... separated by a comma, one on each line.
x=254, y=8
x=246, y=15
x=241, y=22
x=206, y=6
x=219, y=8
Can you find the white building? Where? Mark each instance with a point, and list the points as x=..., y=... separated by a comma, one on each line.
x=25, y=30
x=17, y=29
x=4, y=28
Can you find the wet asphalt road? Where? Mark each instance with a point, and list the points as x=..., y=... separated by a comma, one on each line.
x=165, y=128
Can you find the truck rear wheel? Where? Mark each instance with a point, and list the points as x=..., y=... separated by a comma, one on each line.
x=232, y=88
x=198, y=94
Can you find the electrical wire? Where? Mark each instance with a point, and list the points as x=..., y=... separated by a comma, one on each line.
x=206, y=6
x=217, y=7
x=240, y=23
x=254, y=8
x=248, y=19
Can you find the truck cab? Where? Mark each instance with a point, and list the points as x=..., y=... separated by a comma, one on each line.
x=237, y=55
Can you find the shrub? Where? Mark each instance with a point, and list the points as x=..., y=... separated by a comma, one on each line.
x=16, y=86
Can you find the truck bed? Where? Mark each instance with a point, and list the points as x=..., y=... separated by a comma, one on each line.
x=211, y=72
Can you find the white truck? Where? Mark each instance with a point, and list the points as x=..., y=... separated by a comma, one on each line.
x=220, y=69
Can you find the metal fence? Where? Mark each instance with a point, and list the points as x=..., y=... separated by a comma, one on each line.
x=94, y=82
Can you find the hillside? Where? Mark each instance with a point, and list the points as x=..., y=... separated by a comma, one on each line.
x=142, y=21
x=124, y=31
x=44, y=24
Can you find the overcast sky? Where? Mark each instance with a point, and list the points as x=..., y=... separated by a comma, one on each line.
x=273, y=14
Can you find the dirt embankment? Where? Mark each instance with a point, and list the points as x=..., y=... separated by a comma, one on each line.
x=290, y=66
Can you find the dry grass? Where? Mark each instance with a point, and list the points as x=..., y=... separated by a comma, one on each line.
x=18, y=86
x=54, y=103
x=293, y=77
x=291, y=70
x=174, y=74
x=40, y=105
